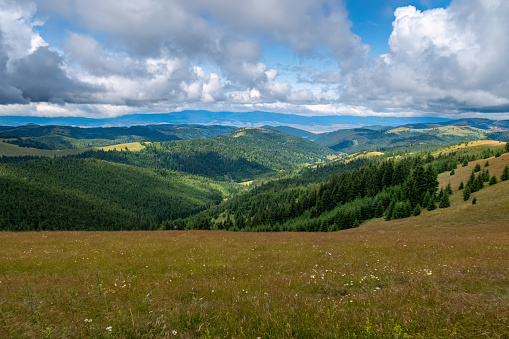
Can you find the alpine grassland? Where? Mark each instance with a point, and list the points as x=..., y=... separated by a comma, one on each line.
x=441, y=274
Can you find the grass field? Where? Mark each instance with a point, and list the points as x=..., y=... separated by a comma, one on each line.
x=442, y=274
x=131, y=146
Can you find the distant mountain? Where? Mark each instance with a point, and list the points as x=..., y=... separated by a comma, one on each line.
x=238, y=119
x=68, y=137
x=420, y=135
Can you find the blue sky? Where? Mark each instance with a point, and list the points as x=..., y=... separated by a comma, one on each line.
x=98, y=58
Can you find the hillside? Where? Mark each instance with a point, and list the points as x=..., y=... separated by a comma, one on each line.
x=90, y=194
x=54, y=137
x=413, y=136
x=441, y=274
x=241, y=155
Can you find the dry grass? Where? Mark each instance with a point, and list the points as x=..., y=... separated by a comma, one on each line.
x=473, y=146
x=496, y=166
x=442, y=274
x=131, y=146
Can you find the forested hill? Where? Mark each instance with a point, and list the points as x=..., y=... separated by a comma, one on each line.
x=89, y=194
x=240, y=155
x=69, y=137
x=343, y=194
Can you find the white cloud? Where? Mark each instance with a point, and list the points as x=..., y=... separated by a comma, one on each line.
x=446, y=59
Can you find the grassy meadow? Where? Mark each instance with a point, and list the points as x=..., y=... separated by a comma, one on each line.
x=442, y=274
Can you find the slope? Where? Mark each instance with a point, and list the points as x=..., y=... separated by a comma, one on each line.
x=241, y=155
x=71, y=194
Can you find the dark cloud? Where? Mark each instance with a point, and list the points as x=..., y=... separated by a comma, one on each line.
x=40, y=78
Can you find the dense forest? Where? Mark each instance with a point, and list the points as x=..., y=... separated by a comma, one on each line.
x=240, y=156
x=89, y=194
x=191, y=184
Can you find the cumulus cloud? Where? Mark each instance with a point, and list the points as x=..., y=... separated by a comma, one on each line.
x=451, y=59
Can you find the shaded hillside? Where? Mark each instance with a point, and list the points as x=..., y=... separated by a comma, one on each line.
x=67, y=137
x=70, y=194
x=240, y=155
x=292, y=131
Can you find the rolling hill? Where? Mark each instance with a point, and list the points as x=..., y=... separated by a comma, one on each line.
x=413, y=136
x=240, y=155
x=89, y=194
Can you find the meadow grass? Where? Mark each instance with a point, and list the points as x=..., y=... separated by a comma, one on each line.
x=131, y=146
x=442, y=274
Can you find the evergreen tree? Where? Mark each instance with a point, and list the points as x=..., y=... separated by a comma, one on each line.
x=474, y=201
x=506, y=147
x=465, y=162
x=389, y=210
x=452, y=172
x=487, y=164
x=466, y=193
x=449, y=189
x=477, y=168
x=461, y=186
x=426, y=200
x=417, y=210
x=432, y=204
x=505, y=174
x=444, y=201
x=493, y=180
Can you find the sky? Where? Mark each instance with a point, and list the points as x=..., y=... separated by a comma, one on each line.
x=107, y=58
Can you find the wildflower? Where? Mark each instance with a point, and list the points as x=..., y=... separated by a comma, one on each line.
x=109, y=328
x=88, y=320
x=174, y=332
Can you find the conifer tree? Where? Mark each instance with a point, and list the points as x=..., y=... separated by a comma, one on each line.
x=417, y=210
x=493, y=180
x=505, y=174
x=389, y=211
x=449, y=189
x=466, y=193
x=477, y=168
x=465, y=162
x=432, y=204
x=461, y=186
x=487, y=164
x=506, y=148
x=474, y=201
x=444, y=201
x=426, y=200
x=452, y=172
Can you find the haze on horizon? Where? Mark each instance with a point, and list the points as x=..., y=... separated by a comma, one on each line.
x=96, y=58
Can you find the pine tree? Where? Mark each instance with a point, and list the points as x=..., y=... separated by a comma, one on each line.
x=505, y=174
x=465, y=162
x=452, y=172
x=487, y=164
x=448, y=189
x=474, y=201
x=417, y=210
x=493, y=180
x=461, y=186
x=432, y=204
x=389, y=210
x=426, y=200
x=506, y=148
x=477, y=168
x=466, y=193
x=444, y=202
